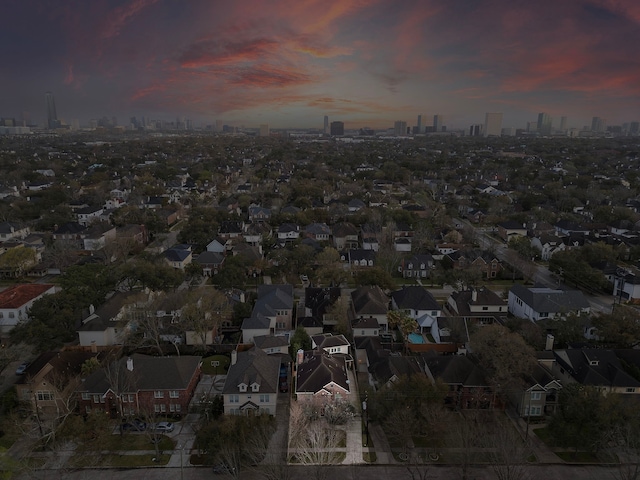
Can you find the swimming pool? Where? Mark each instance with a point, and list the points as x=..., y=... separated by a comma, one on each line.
x=415, y=338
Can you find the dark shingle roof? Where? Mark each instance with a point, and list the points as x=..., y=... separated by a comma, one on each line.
x=318, y=370
x=415, y=298
x=543, y=299
x=253, y=366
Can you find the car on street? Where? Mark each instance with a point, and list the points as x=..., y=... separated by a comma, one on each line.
x=22, y=368
x=164, y=427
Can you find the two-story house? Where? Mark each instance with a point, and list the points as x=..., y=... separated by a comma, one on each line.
x=271, y=314
x=418, y=266
x=142, y=385
x=370, y=301
x=16, y=301
x=479, y=305
x=251, y=386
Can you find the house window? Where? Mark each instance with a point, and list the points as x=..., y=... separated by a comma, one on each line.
x=174, y=394
x=630, y=390
x=234, y=398
x=485, y=308
x=362, y=332
x=255, y=387
x=96, y=399
x=264, y=398
x=86, y=396
x=11, y=314
x=242, y=387
x=536, y=395
x=163, y=408
x=87, y=409
x=156, y=408
x=44, y=395
x=543, y=314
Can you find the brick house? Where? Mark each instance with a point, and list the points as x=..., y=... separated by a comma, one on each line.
x=142, y=385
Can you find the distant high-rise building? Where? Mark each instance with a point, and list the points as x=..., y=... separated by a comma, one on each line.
x=337, y=128
x=544, y=124
x=264, y=130
x=438, y=120
x=564, y=124
x=493, y=124
x=326, y=124
x=634, y=128
x=598, y=124
x=52, y=116
x=475, y=130
x=400, y=128
x=419, y=126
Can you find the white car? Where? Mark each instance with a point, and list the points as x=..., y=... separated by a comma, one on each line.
x=164, y=427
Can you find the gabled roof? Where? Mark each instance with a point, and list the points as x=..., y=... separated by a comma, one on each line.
x=65, y=364
x=386, y=368
x=256, y=322
x=272, y=298
x=210, y=258
x=415, y=298
x=18, y=295
x=70, y=228
x=455, y=370
x=149, y=373
x=344, y=229
x=597, y=367
x=253, y=366
x=327, y=340
x=270, y=341
x=369, y=300
x=318, y=370
x=511, y=225
x=104, y=317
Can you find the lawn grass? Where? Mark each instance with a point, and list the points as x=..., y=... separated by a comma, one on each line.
x=221, y=369
x=544, y=434
x=115, y=460
x=579, y=457
x=127, y=442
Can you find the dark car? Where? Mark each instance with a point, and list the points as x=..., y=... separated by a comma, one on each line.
x=135, y=425
x=284, y=385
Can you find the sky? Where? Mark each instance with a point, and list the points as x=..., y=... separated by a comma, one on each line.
x=288, y=63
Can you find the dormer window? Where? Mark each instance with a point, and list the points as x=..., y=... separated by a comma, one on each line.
x=255, y=387
x=593, y=362
x=242, y=387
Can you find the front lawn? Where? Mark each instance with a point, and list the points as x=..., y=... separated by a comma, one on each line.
x=127, y=442
x=215, y=365
x=115, y=460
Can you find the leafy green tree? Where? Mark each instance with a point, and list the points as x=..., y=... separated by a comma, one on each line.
x=375, y=276
x=299, y=341
x=621, y=327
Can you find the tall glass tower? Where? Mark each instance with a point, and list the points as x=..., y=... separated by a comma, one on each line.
x=52, y=116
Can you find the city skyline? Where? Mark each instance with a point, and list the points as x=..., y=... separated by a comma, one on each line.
x=365, y=63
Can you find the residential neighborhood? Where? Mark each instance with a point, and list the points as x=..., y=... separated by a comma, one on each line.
x=174, y=296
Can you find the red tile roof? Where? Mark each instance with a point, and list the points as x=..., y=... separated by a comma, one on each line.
x=18, y=295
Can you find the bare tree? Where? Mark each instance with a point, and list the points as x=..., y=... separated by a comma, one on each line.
x=204, y=313
x=509, y=453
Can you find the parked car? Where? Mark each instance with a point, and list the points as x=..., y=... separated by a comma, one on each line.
x=22, y=368
x=164, y=427
x=284, y=385
x=135, y=425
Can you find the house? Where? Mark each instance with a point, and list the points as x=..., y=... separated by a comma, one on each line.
x=370, y=301
x=217, y=245
x=259, y=214
x=16, y=301
x=141, y=385
x=271, y=345
x=50, y=381
x=88, y=215
x=626, y=285
x=11, y=230
x=251, y=386
x=567, y=228
x=370, y=243
x=108, y=324
x=332, y=344
x=539, y=397
x=537, y=303
x=402, y=244
x=467, y=383
x=388, y=369
x=365, y=327
x=358, y=258
x=272, y=312
x=487, y=263
x=320, y=232
x=511, y=228
x=345, y=236
x=356, y=205
x=211, y=262
x=288, y=232
x=318, y=303
x=548, y=244
x=134, y=234
x=70, y=234
x=417, y=266
x=311, y=325
x=97, y=236
x=255, y=232
x=321, y=378
x=480, y=305
x=178, y=256
x=600, y=368
x=229, y=229
x=418, y=303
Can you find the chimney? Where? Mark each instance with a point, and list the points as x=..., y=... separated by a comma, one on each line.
x=94, y=347
x=299, y=356
x=550, y=340
x=474, y=295
x=234, y=357
x=130, y=364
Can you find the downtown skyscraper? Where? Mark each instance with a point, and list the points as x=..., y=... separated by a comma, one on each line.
x=52, y=116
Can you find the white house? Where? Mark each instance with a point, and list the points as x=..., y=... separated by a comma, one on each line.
x=538, y=303
x=16, y=301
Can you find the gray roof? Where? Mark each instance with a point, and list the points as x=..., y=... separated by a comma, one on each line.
x=598, y=367
x=456, y=370
x=320, y=369
x=415, y=298
x=272, y=298
x=370, y=301
x=149, y=373
x=253, y=366
x=270, y=341
x=543, y=299
x=103, y=317
x=327, y=340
